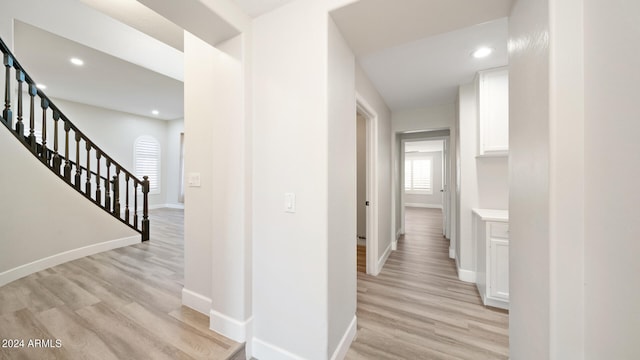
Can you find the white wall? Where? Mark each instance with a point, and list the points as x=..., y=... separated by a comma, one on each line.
x=342, y=164
x=172, y=156
x=435, y=198
x=529, y=294
x=368, y=92
x=42, y=216
x=198, y=132
x=291, y=156
x=612, y=155
x=467, y=188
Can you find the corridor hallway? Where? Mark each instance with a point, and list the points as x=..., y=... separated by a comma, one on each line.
x=418, y=309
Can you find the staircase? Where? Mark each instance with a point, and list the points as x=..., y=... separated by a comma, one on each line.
x=74, y=158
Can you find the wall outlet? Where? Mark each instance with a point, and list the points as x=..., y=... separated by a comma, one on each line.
x=193, y=179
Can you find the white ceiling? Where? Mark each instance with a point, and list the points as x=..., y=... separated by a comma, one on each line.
x=255, y=8
x=423, y=146
x=417, y=52
x=141, y=18
x=104, y=81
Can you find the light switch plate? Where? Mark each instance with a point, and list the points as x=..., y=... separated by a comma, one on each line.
x=290, y=202
x=193, y=179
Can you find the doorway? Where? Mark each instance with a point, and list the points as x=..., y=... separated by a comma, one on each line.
x=425, y=175
x=366, y=188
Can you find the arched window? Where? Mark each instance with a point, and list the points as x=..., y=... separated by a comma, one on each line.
x=146, y=160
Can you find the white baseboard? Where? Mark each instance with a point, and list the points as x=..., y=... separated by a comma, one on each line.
x=466, y=275
x=421, y=205
x=361, y=242
x=452, y=253
x=383, y=259
x=175, y=206
x=164, y=206
x=347, y=339
x=398, y=234
x=264, y=350
x=235, y=330
x=195, y=301
x=63, y=257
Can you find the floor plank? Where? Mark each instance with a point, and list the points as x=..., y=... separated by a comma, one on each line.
x=120, y=304
x=418, y=309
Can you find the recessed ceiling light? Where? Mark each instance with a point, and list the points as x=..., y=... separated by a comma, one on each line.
x=41, y=86
x=77, y=62
x=155, y=112
x=482, y=52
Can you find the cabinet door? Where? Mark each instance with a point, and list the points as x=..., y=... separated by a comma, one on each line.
x=493, y=93
x=499, y=274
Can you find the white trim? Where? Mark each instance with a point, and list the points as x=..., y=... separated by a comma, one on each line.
x=383, y=259
x=264, y=350
x=174, y=206
x=227, y=326
x=420, y=205
x=502, y=304
x=452, y=253
x=164, y=206
x=345, y=343
x=362, y=242
x=398, y=234
x=63, y=257
x=195, y=301
x=371, y=116
x=466, y=275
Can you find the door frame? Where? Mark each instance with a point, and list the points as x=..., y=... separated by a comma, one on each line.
x=371, y=120
x=446, y=194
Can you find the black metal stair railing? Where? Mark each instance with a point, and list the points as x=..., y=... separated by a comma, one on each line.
x=104, y=181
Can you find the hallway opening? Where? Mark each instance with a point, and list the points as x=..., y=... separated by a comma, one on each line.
x=417, y=307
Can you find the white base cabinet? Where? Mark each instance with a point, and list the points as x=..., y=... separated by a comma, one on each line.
x=491, y=235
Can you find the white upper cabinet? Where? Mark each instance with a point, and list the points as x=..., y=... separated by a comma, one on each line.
x=493, y=112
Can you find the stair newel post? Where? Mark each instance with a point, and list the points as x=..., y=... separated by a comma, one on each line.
x=98, y=178
x=67, y=162
x=20, y=125
x=135, y=204
x=87, y=187
x=56, y=157
x=78, y=168
x=6, y=113
x=116, y=193
x=32, y=119
x=145, y=208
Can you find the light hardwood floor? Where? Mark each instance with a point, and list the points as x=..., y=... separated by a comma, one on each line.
x=120, y=304
x=418, y=309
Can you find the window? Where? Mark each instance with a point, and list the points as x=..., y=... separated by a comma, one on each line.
x=418, y=175
x=146, y=160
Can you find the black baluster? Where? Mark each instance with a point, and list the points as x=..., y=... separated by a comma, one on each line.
x=67, y=161
x=126, y=202
x=116, y=193
x=107, y=193
x=98, y=179
x=43, y=153
x=78, y=168
x=87, y=188
x=6, y=114
x=135, y=204
x=32, y=120
x=20, y=124
x=145, y=209
x=56, y=157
